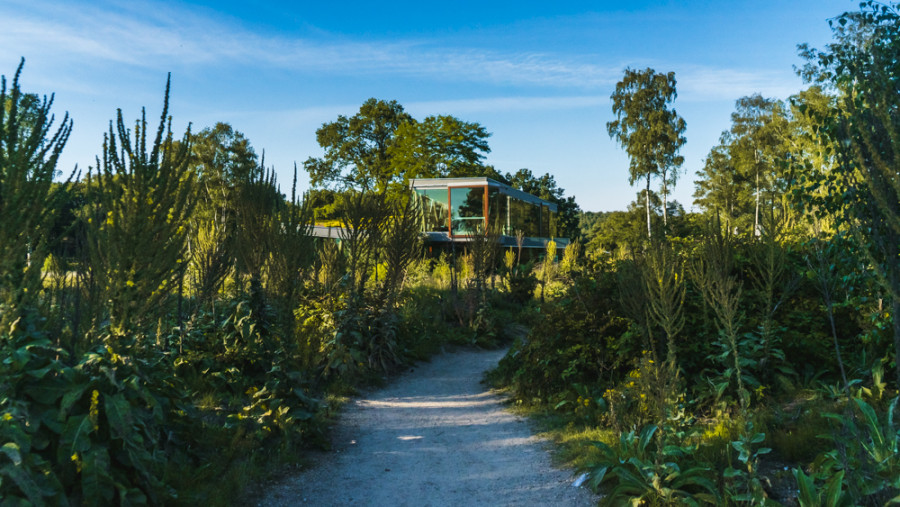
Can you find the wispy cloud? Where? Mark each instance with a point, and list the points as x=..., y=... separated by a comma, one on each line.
x=698, y=83
x=506, y=104
x=156, y=35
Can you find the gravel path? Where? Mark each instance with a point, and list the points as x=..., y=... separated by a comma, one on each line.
x=435, y=436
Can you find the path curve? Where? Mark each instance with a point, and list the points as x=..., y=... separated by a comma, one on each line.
x=437, y=437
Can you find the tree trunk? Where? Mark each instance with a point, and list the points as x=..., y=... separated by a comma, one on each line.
x=649, y=234
x=756, y=216
x=895, y=314
x=665, y=192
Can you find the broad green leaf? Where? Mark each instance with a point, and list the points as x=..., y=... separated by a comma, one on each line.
x=46, y=393
x=597, y=475
x=73, y=394
x=26, y=484
x=833, y=489
x=806, y=489
x=75, y=437
x=96, y=483
x=730, y=473
x=11, y=450
x=646, y=436
x=118, y=415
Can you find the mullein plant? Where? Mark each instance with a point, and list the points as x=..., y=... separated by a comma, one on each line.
x=256, y=201
x=362, y=222
x=29, y=202
x=291, y=258
x=484, y=249
x=711, y=273
x=773, y=279
x=139, y=221
x=665, y=289
x=548, y=267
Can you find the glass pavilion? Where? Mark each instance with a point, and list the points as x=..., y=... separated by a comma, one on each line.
x=454, y=209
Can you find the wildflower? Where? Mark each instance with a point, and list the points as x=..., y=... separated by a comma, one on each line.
x=94, y=411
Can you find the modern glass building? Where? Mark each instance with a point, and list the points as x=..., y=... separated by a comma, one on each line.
x=454, y=209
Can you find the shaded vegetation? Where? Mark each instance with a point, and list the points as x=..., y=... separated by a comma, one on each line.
x=748, y=353
x=171, y=331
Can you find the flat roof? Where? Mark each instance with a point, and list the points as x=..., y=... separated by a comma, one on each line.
x=480, y=182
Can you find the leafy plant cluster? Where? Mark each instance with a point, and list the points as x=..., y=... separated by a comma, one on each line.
x=738, y=355
x=170, y=328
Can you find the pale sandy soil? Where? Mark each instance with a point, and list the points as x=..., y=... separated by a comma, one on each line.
x=435, y=436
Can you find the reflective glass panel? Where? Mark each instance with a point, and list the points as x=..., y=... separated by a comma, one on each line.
x=554, y=227
x=498, y=212
x=433, y=202
x=466, y=210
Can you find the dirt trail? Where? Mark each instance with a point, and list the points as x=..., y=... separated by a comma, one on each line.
x=435, y=436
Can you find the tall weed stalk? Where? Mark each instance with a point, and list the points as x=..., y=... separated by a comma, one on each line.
x=139, y=223
x=29, y=201
x=721, y=291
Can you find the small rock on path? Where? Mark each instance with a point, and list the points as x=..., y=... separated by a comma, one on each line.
x=435, y=437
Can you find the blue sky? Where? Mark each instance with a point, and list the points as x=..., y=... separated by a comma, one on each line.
x=538, y=77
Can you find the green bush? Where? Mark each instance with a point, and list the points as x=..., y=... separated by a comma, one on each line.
x=92, y=432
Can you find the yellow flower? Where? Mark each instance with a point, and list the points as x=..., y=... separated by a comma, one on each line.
x=94, y=411
x=129, y=283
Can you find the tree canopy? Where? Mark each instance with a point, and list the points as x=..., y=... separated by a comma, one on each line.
x=648, y=129
x=357, y=148
x=439, y=147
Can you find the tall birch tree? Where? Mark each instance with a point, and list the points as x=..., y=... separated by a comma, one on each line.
x=650, y=131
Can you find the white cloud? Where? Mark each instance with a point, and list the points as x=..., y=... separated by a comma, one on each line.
x=505, y=104
x=155, y=35
x=697, y=83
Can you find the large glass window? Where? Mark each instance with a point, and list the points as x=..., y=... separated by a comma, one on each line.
x=545, y=221
x=466, y=210
x=554, y=221
x=433, y=202
x=498, y=212
x=525, y=217
x=533, y=224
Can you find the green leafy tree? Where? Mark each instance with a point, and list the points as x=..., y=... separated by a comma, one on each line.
x=29, y=203
x=650, y=132
x=757, y=148
x=721, y=189
x=357, y=148
x=862, y=67
x=439, y=147
x=223, y=160
x=221, y=157
x=620, y=232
